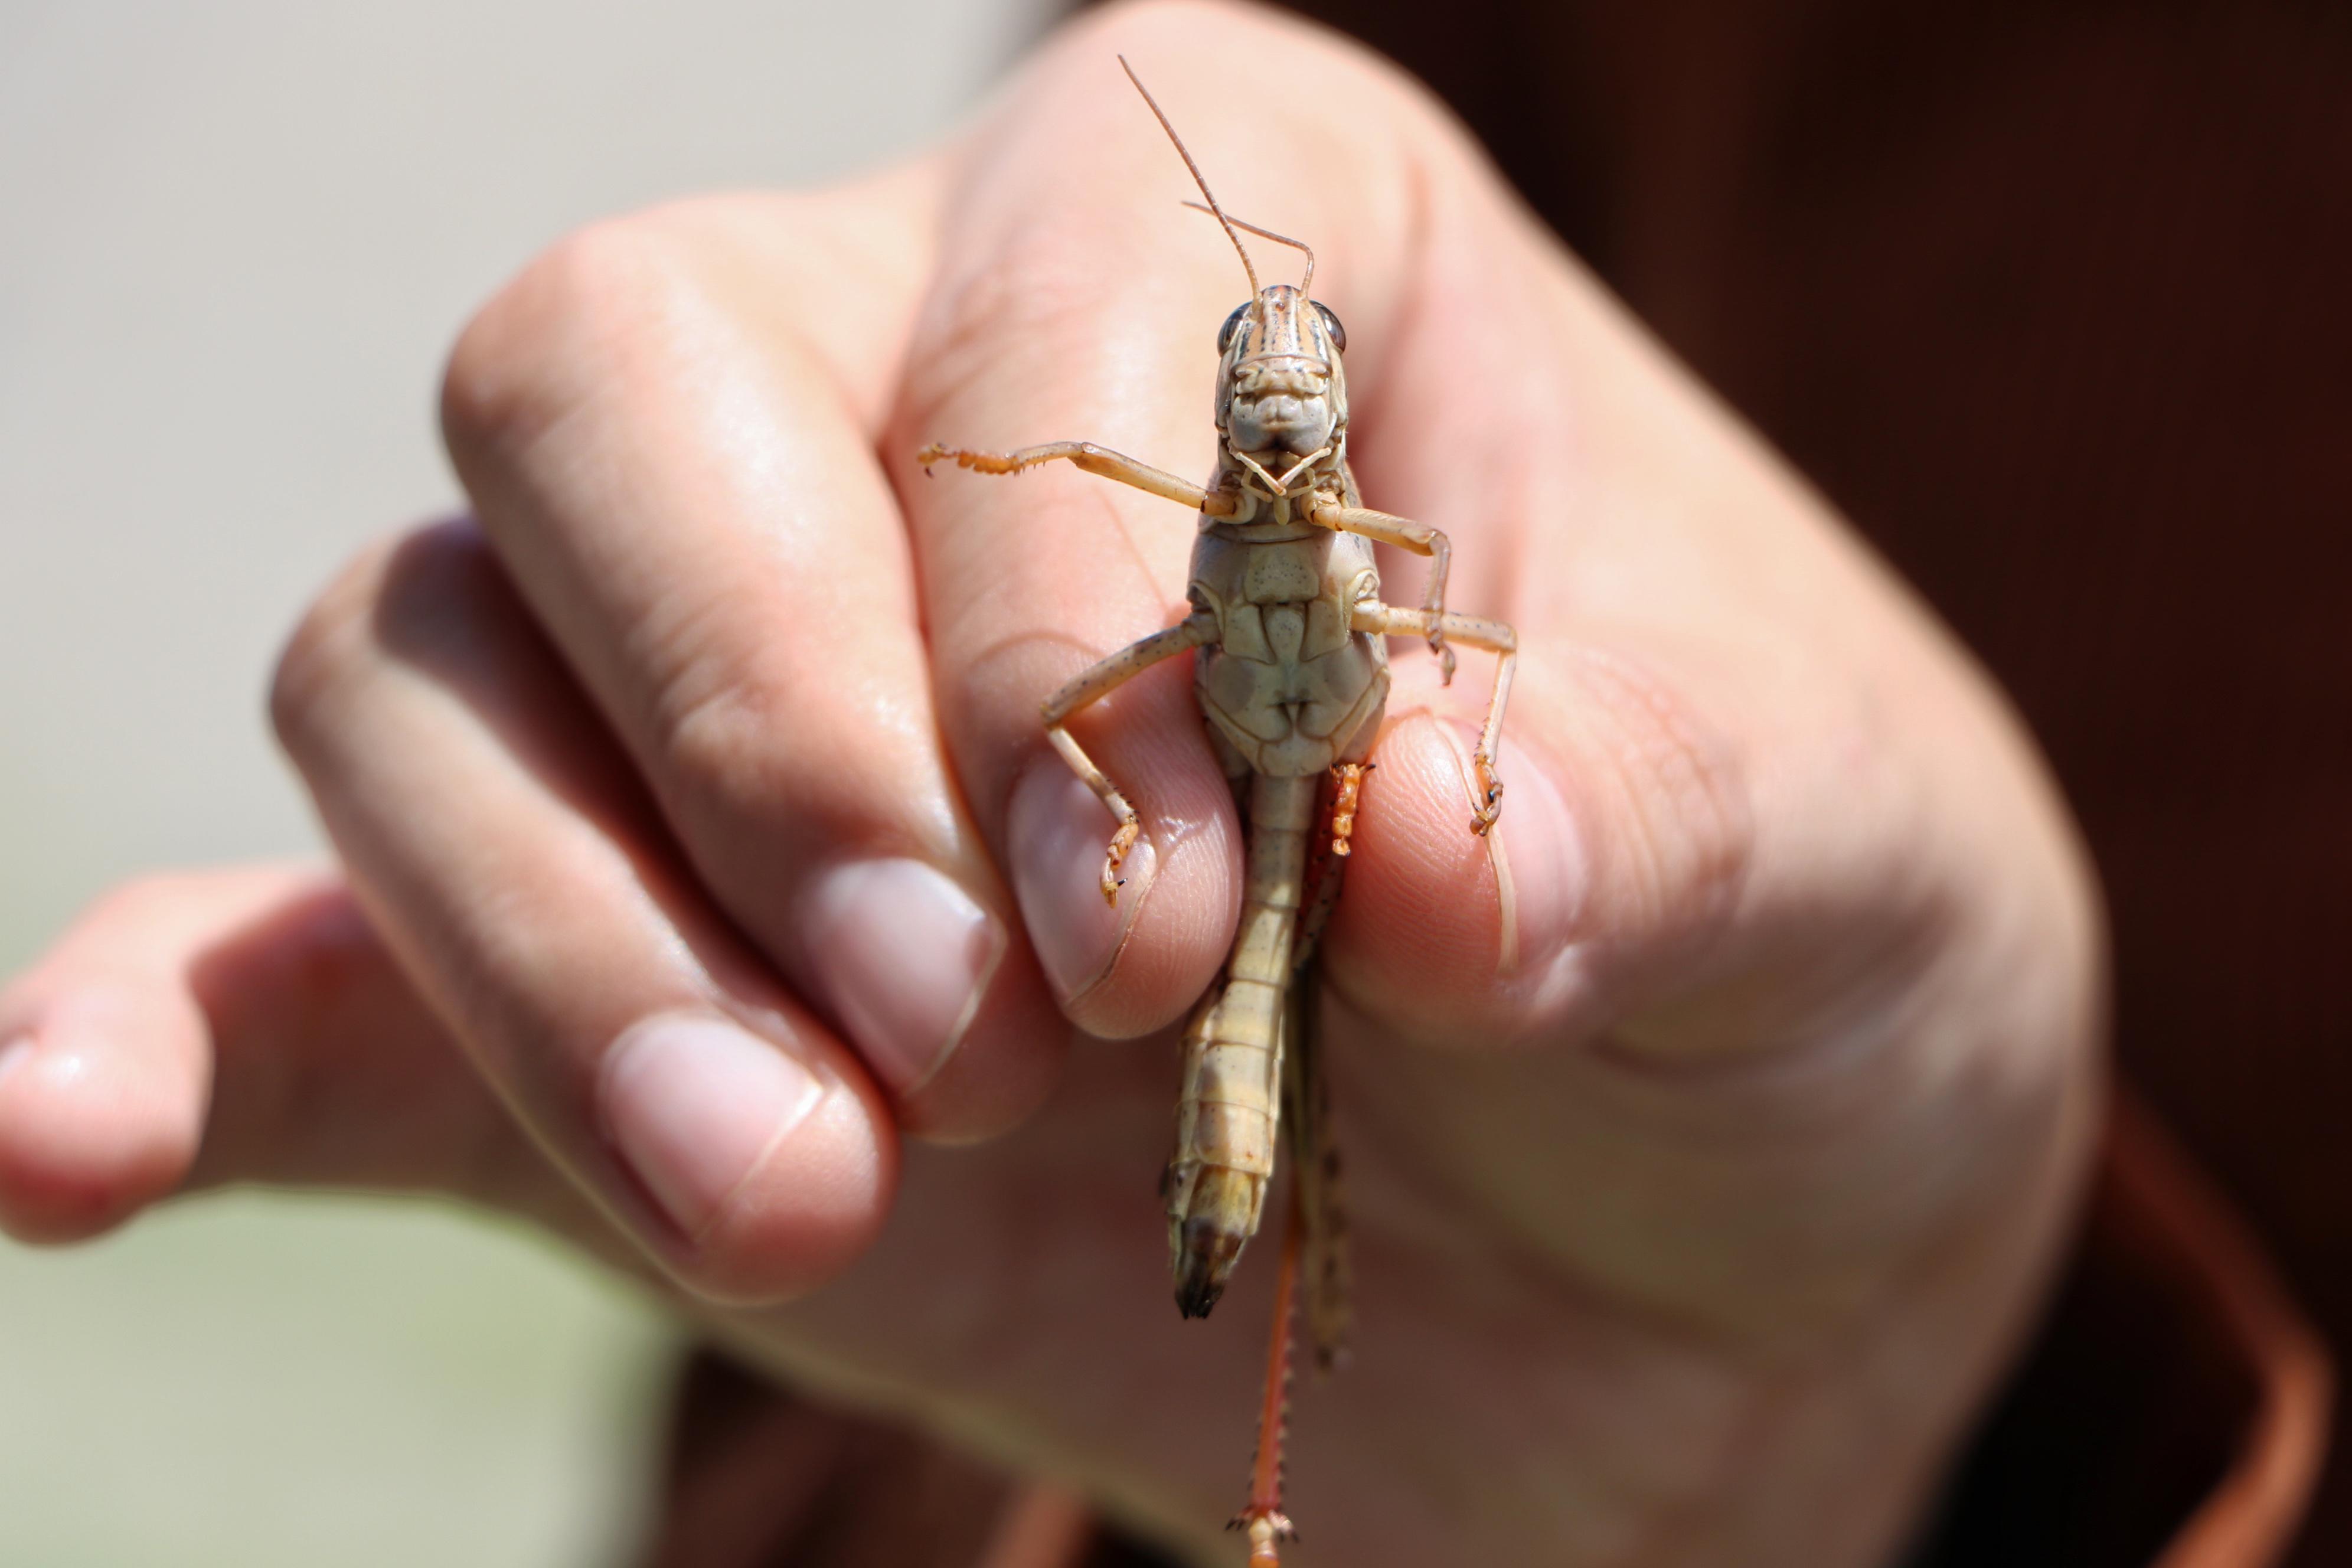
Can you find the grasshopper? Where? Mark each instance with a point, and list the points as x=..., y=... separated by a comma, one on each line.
x=1291, y=668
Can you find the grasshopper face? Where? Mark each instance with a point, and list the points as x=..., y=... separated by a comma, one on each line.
x=1281, y=394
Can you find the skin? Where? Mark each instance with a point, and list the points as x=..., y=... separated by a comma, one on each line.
x=1711, y=1128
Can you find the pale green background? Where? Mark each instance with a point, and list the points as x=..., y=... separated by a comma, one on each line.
x=235, y=239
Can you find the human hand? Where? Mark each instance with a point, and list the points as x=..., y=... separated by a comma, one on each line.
x=1709, y=1127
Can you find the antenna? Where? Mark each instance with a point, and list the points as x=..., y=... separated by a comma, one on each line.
x=1184, y=152
x=1277, y=238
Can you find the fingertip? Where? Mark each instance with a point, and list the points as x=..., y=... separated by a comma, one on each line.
x=1454, y=937
x=1418, y=932
x=1177, y=939
x=816, y=1206
x=768, y=1168
x=1126, y=968
x=919, y=972
x=93, y=1125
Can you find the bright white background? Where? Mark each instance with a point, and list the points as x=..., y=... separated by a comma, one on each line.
x=235, y=237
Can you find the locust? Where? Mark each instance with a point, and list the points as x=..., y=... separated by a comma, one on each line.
x=1289, y=633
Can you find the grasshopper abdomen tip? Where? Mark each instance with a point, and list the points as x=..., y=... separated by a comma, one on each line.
x=1206, y=1262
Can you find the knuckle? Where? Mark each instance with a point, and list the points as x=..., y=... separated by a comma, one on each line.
x=552, y=336
x=716, y=732
x=746, y=733
x=1204, y=35
x=1022, y=315
x=734, y=741
x=319, y=654
x=428, y=573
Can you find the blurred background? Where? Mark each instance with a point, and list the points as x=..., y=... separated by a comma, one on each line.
x=2050, y=299
x=235, y=239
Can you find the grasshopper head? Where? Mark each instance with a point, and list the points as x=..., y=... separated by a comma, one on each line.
x=1281, y=398
x=1281, y=394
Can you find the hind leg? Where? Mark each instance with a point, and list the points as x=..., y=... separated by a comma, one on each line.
x=1470, y=631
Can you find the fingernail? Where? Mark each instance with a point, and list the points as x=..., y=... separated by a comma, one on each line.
x=1057, y=832
x=695, y=1103
x=1539, y=856
x=1541, y=870
x=904, y=956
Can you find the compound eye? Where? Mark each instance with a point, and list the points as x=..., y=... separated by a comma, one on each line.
x=1331, y=325
x=1233, y=324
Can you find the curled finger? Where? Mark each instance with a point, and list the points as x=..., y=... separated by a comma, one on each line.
x=526, y=883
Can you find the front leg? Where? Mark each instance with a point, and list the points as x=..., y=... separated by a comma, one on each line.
x=1421, y=540
x=1094, y=460
x=1098, y=682
x=1387, y=620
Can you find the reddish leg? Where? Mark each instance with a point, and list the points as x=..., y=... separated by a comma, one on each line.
x=1264, y=1518
x=1348, y=783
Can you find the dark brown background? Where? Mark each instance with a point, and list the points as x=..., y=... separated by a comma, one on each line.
x=2054, y=300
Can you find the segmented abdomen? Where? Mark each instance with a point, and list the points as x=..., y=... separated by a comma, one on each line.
x=1228, y=1113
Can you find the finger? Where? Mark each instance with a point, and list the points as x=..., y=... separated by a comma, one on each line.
x=1077, y=299
x=666, y=426
x=494, y=839
x=103, y=1075
x=200, y=1028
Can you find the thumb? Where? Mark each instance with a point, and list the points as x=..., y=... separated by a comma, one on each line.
x=1627, y=839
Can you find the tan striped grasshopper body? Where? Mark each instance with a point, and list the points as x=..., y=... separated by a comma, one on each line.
x=1292, y=673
